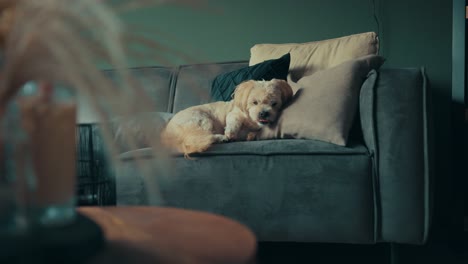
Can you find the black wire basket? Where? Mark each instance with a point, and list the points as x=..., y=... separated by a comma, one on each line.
x=95, y=178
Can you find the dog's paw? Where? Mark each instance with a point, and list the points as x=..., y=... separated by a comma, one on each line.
x=221, y=138
x=230, y=136
x=251, y=136
x=225, y=139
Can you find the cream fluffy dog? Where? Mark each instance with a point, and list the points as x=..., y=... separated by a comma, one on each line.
x=255, y=105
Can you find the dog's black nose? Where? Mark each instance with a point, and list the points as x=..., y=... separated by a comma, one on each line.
x=264, y=114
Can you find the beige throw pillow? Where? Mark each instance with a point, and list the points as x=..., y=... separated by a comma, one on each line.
x=308, y=58
x=325, y=107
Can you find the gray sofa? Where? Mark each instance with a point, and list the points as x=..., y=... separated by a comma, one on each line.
x=376, y=189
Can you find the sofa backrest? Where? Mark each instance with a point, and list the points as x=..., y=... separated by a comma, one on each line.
x=193, y=83
x=156, y=81
x=175, y=88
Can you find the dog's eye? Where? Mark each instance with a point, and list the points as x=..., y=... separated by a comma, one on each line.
x=255, y=102
x=274, y=104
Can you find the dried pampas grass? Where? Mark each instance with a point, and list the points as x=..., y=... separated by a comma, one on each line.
x=63, y=41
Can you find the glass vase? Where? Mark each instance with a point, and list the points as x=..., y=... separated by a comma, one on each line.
x=38, y=130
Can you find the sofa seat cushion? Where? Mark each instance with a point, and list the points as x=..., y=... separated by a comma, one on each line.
x=284, y=190
x=266, y=147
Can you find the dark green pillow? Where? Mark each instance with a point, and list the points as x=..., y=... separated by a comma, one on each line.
x=224, y=84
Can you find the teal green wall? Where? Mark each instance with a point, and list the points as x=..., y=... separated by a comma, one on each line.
x=413, y=33
x=224, y=30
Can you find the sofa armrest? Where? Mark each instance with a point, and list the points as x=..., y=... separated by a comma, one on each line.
x=394, y=112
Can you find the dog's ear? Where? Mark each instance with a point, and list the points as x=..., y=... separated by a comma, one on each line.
x=241, y=94
x=286, y=90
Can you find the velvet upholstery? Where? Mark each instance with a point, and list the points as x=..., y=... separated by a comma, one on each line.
x=395, y=120
x=376, y=189
x=193, y=84
x=250, y=182
x=155, y=82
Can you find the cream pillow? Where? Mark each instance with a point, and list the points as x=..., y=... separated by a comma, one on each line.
x=308, y=58
x=325, y=107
